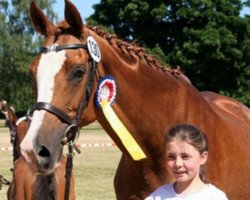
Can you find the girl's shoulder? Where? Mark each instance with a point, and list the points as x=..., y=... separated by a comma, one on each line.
x=162, y=192
x=212, y=190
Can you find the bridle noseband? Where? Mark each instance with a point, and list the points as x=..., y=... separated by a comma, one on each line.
x=62, y=115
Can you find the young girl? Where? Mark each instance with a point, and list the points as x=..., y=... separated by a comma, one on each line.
x=186, y=153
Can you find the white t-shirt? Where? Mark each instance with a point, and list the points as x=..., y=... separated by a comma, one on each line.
x=167, y=192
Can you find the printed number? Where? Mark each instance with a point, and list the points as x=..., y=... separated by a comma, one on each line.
x=94, y=49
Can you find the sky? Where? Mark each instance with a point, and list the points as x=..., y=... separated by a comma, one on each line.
x=85, y=8
x=245, y=11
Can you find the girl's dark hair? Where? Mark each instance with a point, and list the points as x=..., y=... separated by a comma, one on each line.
x=191, y=135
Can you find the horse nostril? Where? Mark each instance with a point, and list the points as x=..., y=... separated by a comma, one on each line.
x=44, y=152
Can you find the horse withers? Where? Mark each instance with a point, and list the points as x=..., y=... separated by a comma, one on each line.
x=83, y=73
x=25, y=184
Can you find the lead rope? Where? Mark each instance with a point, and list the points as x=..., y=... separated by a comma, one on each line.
x=69, y=163
x=69, y=166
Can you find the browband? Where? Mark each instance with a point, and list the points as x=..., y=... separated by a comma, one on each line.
x=57, y=47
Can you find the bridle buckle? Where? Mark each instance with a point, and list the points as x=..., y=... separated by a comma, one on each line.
x=47, y=49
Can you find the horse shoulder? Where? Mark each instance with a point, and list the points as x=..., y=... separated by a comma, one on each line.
x=228, y=107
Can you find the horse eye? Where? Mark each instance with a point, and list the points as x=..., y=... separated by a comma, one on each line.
x=76, y=74
x=79, y=73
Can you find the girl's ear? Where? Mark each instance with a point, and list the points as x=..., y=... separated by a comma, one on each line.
x=204, y=156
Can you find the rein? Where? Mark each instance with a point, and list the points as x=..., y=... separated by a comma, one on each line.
x=74, y=124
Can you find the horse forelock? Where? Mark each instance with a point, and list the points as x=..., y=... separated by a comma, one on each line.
x=63, y=28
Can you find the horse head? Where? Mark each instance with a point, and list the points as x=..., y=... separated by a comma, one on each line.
x=9, y=114
x=63, y=74
x=3, y=106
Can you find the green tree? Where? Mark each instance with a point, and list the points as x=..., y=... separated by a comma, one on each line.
x=18, y=44
x=243, y=91
x=207, y=39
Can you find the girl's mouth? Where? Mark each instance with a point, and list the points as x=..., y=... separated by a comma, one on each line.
x=180, y=172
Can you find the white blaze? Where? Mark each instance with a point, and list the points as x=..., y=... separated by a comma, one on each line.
x=49, y=65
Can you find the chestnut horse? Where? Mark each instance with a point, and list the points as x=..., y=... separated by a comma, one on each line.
x=148, y=100
x=25, y=184
x=12, y=121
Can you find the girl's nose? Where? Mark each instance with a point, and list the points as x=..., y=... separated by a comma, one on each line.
x=178, y=162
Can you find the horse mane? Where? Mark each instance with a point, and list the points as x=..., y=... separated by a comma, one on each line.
x=132, y=48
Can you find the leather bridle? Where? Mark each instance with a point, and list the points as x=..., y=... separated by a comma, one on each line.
x=63, y=116
x=74, y=124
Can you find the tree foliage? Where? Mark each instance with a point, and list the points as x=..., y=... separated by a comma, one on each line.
x=208, y=39
x=18, y=44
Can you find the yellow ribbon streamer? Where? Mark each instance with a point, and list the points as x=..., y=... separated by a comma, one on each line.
x=127, y=139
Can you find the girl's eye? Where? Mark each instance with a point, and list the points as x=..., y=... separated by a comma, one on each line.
x=185, y=156
x=170, y=157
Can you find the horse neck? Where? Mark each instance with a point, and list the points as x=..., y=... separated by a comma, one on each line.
x=141, y=92
x=22, y=126
x=137, y=77
x=148, y=99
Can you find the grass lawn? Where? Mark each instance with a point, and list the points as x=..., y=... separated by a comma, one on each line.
x=94, y=168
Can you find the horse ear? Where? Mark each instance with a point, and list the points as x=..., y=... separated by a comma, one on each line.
x=40, y=21
x=73, y=17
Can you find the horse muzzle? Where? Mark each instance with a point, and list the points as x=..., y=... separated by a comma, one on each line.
x=40, y=156
x=30, y=158
x=45, y=163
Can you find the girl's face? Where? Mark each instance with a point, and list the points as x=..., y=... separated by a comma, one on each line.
x=184, y=161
